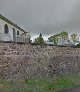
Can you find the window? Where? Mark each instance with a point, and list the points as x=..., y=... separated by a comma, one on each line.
x=14, y=34
x=6, y=30
x=17, y=32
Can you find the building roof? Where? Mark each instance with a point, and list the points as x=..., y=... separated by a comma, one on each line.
x=64, y=42
x=10, y=22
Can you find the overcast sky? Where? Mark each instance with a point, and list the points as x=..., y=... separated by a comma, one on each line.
x=43, y=16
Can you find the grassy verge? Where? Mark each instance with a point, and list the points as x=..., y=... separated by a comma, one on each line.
x=41, y=85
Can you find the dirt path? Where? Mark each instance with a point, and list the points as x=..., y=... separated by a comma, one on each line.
x=72, y=90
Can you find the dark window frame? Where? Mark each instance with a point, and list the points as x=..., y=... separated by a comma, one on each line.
x=6, y=29
x=17, y=32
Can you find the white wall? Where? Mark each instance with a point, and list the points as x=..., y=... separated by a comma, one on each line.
x=2, y=23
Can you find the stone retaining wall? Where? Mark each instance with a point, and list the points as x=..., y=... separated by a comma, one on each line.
x=21, y=61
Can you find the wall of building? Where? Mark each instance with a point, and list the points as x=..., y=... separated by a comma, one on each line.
x=2, y=23
x=21, y=61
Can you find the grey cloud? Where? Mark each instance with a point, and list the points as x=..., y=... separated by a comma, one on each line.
x=45, y=16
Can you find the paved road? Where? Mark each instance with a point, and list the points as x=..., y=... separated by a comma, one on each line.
x=72, y=90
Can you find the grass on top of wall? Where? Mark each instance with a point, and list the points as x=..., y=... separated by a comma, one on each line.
x=41, y=85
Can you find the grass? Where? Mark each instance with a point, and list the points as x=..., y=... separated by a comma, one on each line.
x=41, y=85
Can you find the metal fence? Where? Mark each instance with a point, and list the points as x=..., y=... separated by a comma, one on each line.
x=21, y=40
x=7, y=38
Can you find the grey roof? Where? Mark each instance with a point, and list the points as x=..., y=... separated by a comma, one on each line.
x=49, y=43
x=64, y=42
x=10, y=22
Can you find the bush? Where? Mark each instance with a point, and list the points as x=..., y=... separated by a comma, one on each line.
x=78, y=45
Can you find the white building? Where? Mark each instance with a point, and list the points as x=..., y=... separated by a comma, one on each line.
x=11, y=32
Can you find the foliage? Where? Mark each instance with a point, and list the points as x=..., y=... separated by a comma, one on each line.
x=29, y=81
x=63, y=35
x=39, y=40
x=78, y=45
x=74, y=37
x=41, y=84
x=55, y=38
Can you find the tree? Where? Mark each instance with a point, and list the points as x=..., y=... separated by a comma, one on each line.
x=63, y=35
x=50, y=39
x=74, y=37
x=39, y=40
x=55, y=38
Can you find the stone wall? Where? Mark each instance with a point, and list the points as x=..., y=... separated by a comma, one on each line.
x=21, y=61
